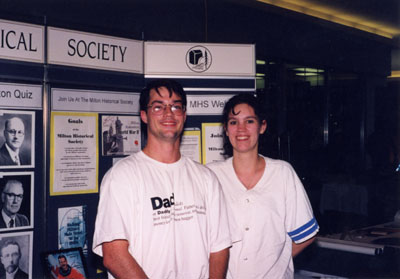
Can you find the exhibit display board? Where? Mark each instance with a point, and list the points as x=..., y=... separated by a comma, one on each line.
x=88, y=130
x=78, y=113
x=21, y=176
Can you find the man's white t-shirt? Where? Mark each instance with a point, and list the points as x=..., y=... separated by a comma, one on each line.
x=268, y=218
x=172, y=215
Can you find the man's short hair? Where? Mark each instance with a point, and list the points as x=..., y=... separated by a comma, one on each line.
x=8, y=243
x=8, y=121
x=171, y=85
x=62, y=257
x=11, y=181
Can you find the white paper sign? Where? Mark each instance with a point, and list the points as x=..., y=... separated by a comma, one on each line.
x=213, y=142
x=188, y=59
x=206, y=104
x=20, y=96
x=72, y=48
x=190, y=145
x=94, y=101
x=21, y=41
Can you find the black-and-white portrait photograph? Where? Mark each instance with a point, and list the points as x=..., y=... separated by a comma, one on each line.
x=16, y=255
x=16, y=191
x=17, y=139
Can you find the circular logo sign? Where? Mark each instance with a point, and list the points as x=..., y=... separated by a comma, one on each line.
x=198, y=59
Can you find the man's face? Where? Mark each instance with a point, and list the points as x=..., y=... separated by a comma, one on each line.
x=14, y=133
x=10, y=257
x=166, y=126
x=12, y=198
x=63, y=263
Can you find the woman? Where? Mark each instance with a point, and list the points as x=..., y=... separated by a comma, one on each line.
x=267, y=203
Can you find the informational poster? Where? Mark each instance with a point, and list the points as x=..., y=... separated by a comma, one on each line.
x=121, y=135
x=73, y=153
x=190, y=145
x=72, y=228
x=212, y=142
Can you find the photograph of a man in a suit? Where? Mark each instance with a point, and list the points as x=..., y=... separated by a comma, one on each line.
x=10, y=255
x=11, y=197
x=14, y=135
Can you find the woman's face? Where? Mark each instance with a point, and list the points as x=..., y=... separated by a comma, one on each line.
x=243, y=129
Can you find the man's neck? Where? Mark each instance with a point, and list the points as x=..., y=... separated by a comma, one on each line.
x=164, y=152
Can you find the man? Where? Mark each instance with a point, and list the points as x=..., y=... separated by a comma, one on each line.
x=161, y=215
x=14, y=134
x=10, y=255
x=11, y=198
x=64, y=270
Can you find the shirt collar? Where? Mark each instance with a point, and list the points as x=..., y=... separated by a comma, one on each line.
x=6, y=218
x=11, y=152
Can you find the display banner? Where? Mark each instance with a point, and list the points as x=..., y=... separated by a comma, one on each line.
x=191, y=59
x=20, y=96
x=73, y=48
x=21, y=41
x=206, y=104
x=94, y=101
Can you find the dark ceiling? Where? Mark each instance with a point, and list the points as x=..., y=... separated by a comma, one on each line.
x=199, y=20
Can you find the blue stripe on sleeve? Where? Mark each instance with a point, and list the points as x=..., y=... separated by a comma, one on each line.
x=302, y=228
x=306, y=233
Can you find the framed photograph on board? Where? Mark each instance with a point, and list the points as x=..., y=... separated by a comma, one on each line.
x=16, y=255
x=17, y=139
x=65, y=263
x=17, y=201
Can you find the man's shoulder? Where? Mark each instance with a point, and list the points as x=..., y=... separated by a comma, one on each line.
x=4, y=152
x=196, y=165
x=24, y=221
x=20, y=274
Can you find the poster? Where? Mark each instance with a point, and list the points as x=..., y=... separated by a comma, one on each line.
x=190, y=145
x=72, y=228
x=212, y=142
x=73, y=153
x=121, y=135
x=17, y=200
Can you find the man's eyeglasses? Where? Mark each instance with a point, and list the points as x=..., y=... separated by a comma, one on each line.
x=12, y=196
x=158, y=109
x=18, y=133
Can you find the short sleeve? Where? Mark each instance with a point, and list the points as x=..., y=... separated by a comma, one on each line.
x=116, y=198
x=300, y=222
x=219, y=225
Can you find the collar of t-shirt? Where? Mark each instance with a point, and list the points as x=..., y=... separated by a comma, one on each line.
x=6, y=218
x=12, y=153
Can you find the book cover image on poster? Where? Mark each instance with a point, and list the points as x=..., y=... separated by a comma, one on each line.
x=72, y=228
x=121, y=135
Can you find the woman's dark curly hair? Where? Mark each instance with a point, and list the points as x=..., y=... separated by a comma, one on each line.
x=243, y=98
